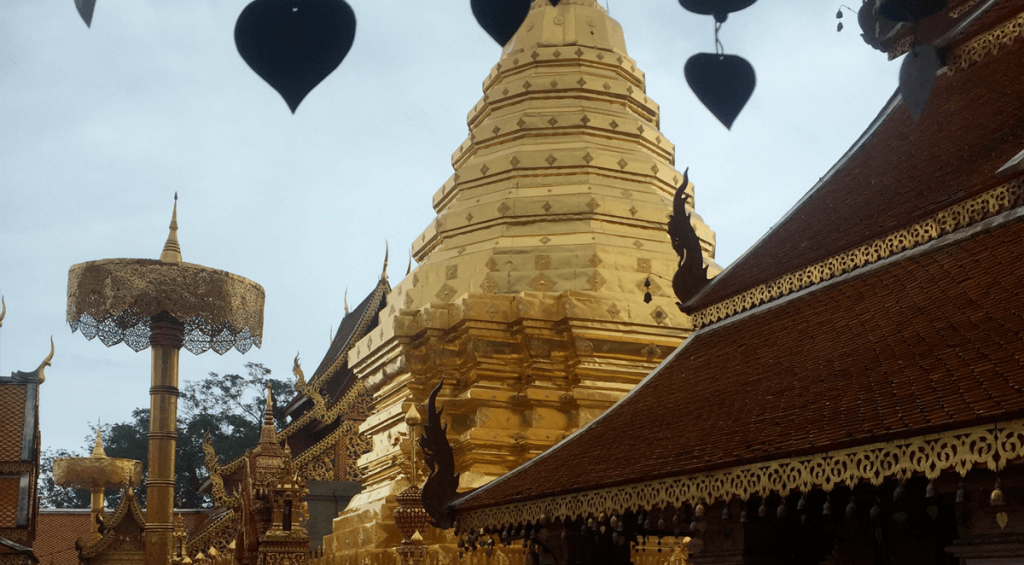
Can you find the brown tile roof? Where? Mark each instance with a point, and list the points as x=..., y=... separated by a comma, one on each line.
x=903, y=172
x=927, y=342
x=58, y=529
x=12, y=421
x=56, y=533
x=10, y=489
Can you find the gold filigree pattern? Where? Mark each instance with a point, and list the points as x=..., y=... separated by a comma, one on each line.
x=959, y=216
x=991, y=446
x=320, y=469
x=963, y=8
x=985, y=45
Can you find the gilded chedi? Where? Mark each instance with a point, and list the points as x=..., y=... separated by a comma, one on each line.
x=528, y=297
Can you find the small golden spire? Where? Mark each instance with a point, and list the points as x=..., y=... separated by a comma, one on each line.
x=346, y=301
x=268, y=415
x=172, y=251
x=97, y=450
x=3, y=311
x=409, y=268
x=384, y=273
x=46, y=363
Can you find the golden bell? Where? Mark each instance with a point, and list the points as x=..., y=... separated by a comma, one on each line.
x=997, y=498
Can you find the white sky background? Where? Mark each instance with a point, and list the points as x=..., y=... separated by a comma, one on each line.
x=99, y=127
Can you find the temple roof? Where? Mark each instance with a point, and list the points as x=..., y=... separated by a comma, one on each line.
x=354, y=325
x=925, y=342
x=900, y=172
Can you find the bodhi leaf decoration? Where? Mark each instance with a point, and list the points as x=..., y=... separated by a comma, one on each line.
x=917, y=75
x=720, y=9
x=500, y=18
x=85, y=9
x=295, y=44
x=723, y=83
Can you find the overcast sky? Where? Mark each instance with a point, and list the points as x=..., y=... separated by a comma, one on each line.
x=99, y=127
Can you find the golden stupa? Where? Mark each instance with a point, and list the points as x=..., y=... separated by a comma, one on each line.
x=528, y=296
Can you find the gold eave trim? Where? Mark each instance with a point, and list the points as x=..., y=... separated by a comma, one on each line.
x=991, y=446
x=954, y=218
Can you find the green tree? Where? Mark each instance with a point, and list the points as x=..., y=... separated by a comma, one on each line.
x=229, y=407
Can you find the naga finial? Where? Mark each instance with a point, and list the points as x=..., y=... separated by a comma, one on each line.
x=300, y=377
x=384, y=273
x=172, y=251
x=346, y=308
x=409, y=268
x=691, y=275
x=46, y=363
x=3, y=311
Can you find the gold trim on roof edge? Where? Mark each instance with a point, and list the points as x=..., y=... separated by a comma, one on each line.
x=993, y=445
x=975, y=50
x=985, y=45
x=956, y=217
x=213, y=535
x=128, y=504
x=355, y=402
x=960, y=10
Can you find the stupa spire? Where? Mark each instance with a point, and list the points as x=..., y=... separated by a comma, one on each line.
x=172, y=251
x=97, y=449
x=268, y=434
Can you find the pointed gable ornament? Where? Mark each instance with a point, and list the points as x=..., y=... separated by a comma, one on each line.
x=691, y=275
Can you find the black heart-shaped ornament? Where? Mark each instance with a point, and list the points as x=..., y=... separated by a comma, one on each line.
x=917, y=76
x=720, y=9
x=85, y=9
x=500, y=18
x=295, y=44
x=723, y=83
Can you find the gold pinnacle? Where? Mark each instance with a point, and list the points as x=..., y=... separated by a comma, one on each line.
x=97, y=450
x=268, y=415
x=3, y=311
x=384, y=273
x=172, y=251
x=346, y=303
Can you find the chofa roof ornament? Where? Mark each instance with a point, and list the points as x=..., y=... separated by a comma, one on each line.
x=692, y=274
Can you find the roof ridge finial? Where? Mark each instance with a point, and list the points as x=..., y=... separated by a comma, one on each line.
x=3, y=310
x=384, y=273
x=46, y=363
x=172, y=251
x=409, y=268
x=97, y=449
x=346, y=308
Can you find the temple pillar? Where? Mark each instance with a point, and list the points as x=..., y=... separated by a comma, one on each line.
x=167, y=339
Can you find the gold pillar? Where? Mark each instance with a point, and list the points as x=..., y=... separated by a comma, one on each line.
x=167, y=336
x=97, y=507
